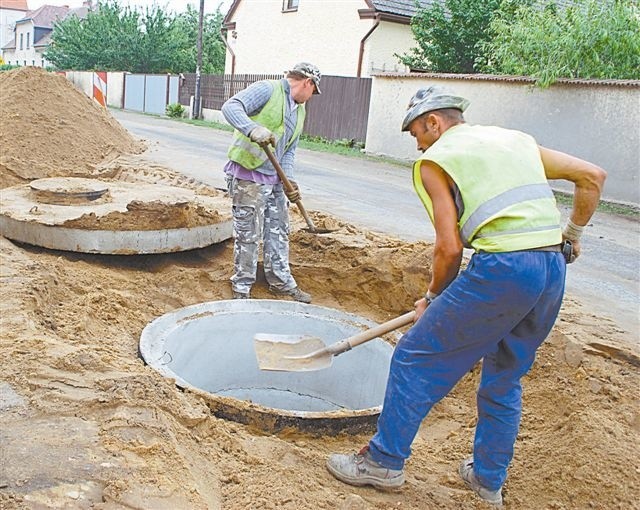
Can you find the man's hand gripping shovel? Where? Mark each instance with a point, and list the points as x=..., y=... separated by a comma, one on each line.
x=288, y=187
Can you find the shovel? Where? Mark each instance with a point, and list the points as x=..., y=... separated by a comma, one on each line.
x=288, y=187
x=304, y=353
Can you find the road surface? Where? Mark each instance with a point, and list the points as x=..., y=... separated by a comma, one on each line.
x=379, y=196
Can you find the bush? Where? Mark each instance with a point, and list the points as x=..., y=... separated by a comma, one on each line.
x=174, y=110
x=598, y=39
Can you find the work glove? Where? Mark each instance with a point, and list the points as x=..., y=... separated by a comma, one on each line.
x=294, y=195
x=262, y=136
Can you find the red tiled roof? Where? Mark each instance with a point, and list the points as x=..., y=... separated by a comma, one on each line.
x=15, y=5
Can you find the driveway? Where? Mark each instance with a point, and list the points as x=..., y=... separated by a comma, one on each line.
x=379, y=196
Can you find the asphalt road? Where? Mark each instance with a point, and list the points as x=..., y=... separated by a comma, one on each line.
x=379, y=196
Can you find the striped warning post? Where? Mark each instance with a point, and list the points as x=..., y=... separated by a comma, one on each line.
x=100, y=87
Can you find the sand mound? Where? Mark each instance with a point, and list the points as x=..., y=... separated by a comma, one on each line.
x=39, y=108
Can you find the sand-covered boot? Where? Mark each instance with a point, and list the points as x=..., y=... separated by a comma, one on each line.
x=469, y=477
x=360, y=469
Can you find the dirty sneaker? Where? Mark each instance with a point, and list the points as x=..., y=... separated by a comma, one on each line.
x=360, y=469
x=240, y=295
x=295, y=293
x=469, y=477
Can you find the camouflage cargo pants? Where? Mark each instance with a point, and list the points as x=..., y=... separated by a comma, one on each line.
x=260, y=212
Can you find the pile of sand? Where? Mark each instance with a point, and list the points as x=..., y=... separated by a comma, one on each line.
x=49, y=129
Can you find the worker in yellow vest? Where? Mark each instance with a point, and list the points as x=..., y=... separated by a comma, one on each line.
x=484, y=188
x=268, y=112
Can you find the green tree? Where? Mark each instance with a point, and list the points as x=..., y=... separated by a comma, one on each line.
x=213, y=49
x=104, y=37
x=113, y=38
x=591, y=39
x=449, y=35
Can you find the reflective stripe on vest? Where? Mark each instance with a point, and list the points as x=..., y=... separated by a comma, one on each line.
x=493, y=206
x=508, y=204
x=249, y=154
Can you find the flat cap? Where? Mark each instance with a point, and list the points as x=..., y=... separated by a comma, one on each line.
x=429, y=99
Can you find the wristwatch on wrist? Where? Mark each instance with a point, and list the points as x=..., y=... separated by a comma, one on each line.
x=430, y=296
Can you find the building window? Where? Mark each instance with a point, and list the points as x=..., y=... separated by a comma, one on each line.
x=290, y=5
x=28, y=40
x=21, y=40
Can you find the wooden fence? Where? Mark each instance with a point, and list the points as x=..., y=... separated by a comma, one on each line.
x=340, y=112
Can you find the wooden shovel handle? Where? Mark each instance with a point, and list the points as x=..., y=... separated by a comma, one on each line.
x=288, y=187
x=360, y=338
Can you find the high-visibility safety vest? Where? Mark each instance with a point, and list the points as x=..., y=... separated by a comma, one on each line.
x=249, y=154
x=507, y=201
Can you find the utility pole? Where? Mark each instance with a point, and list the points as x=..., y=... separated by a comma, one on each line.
x=197, y=101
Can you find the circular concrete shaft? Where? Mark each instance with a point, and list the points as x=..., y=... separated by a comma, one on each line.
x=209, y=349
x=121, y=218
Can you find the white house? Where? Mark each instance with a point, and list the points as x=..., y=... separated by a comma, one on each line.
x=342, y=37
x=32, y=34
x=10, y=12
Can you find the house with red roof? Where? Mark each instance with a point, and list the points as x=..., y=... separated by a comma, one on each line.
x=32, y=33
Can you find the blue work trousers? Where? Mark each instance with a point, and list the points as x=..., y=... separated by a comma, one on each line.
x=500, y=309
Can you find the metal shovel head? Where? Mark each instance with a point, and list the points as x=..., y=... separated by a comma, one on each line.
x=290, y=353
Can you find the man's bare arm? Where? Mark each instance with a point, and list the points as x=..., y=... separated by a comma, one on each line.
x=447, y=253
x=588, y=180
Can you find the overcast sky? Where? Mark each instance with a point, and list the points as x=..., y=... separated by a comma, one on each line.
x=171, y=5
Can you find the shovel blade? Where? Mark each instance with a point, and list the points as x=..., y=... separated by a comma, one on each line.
x=290, y=353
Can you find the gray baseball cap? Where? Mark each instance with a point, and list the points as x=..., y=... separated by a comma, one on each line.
x=429, y=99
x=310, y=71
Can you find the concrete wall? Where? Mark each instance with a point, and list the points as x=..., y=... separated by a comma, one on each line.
x=591, y=120
x=326, y=33
x=115, y=89
x=83, y=80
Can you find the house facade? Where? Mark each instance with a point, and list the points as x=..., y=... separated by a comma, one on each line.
x=10, y=12
x=32, y=34
x=342, y=37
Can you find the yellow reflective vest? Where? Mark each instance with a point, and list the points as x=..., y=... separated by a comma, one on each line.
x=249, y=154
x=507, y=203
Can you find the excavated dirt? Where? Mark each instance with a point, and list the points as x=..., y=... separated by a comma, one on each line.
x=85, y=424
x=154, y=215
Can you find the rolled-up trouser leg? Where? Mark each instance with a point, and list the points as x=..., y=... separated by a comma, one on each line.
x=249, y=200
x=276, y=241
x=466, y=322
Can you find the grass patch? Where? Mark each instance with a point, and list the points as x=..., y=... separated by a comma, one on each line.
x=630, y=211
x=206, y=123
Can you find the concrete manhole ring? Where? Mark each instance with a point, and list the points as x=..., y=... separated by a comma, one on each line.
x=116, y=218
x=208, y=348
